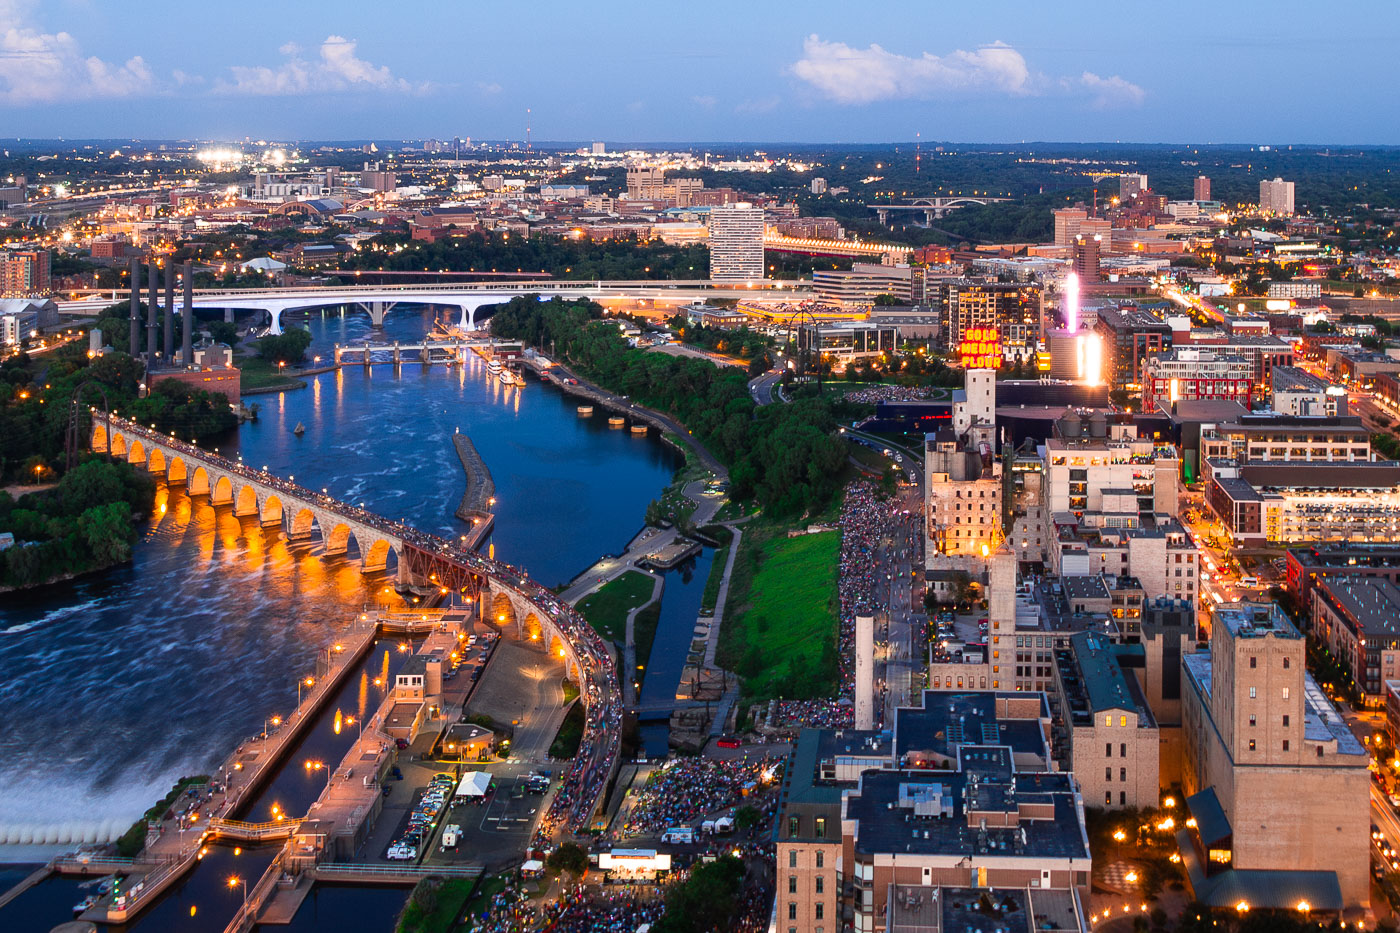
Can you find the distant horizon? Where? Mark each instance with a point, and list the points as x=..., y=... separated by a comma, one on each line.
x=542, y=144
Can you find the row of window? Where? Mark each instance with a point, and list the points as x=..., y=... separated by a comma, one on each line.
x=1123, y=772
x=820, y=885
x=818, y=831
x=792, y=856
x=1122, y=750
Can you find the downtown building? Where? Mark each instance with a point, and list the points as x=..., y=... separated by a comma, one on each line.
x=1276, y=197
x=25, y=273
x=958, y=811
x=1190, y=374
x=1012, y=314
x=1263, y=503
x=1277, y=786
x=736, y=243
x=1130, y=336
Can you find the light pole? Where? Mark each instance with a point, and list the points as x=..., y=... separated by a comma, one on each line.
x=308, y=682
x=233, y=882
x=274, y=721
x=312, y=766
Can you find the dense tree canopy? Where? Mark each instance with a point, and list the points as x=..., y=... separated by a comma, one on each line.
x=561, y=257
x=787, y=457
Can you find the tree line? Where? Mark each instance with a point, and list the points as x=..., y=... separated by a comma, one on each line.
x=785, y=457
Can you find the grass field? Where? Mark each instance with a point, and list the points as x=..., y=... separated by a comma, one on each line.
x=570, y=735
x=606, y=610
x=434, y=905
x=707, y=601
x=782, y=636
x=257, y=373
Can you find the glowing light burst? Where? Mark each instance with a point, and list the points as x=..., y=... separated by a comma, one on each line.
x=1072, y=302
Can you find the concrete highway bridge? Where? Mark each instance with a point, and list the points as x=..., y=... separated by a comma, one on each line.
x=379, y=300
x=931, y=208
x=506, y=596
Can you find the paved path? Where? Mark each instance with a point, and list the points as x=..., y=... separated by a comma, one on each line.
x=712, y=637
x=629, y=652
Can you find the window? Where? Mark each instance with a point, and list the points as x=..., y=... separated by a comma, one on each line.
x=1108, y=798
x=1253, y=661
x=1285, y=745
x=820, y=908
x=1285, y=664
x=1319, y=751
x=1108, y=720
x=1108, y=774
x=792, y=858
x=1252, y=693
x=1251, y=745
x=1122, y=798
x=1285, y=719
x=1285, y=693
x=1122, y=774
x=1122, y=720
x=821, y=827
x=820, y=858
x=792, y=884
x=792, y=911
x=1108, y=749
x=1251, y=720
x=820, y=884
x=1123, y=750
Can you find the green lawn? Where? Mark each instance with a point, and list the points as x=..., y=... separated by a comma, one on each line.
x=570, y=735
x=434, y=905
x=606, y=610
x=707, y=602
x=258, y=373
x=782, y=636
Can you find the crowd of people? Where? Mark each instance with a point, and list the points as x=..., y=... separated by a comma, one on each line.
x=687, y=789
x=801, y=714
x=886, y=393
x=863, y=519
x=603, y=910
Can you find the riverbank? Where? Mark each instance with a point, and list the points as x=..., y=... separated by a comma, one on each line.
x=480, y=494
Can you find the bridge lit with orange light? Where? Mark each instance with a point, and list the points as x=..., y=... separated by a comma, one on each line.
x=817, y=246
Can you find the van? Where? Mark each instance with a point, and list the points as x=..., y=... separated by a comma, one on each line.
x=1249, y=581
x=451, y=835
x=678, y=835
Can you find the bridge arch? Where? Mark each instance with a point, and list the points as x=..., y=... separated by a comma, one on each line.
x=222, y=491
x=176, y=471
x=302, y=524
x=118, y=445
x=534, y=629
x=338, y=539
x=502, y=609
x=270, y=511
x=99, y=436
x=376, y=557
x=156, y=462
x=137, y=453
x=245, y=500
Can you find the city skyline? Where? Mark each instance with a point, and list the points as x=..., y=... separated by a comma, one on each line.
x=92, y=69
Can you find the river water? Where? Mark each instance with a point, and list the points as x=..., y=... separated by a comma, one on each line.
x=119, y=683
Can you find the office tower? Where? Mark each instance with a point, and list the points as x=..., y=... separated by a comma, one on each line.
x=1131, y=184
x=1276, y=197
x=1086, y=258
x=818, y=186
x=1201, y=190
x=736, y=243
x=600, y=149
x=24, y=273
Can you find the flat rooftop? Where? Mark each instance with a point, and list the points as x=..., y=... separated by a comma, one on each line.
x=948, y=720
x=1372, y=603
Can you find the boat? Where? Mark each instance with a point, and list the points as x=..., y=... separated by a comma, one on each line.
x=544, y=377
x=299, y=430
x=85, y=904
x=494, y=367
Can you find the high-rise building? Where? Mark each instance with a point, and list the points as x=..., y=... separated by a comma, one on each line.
x=1129, y=335
x=644, y=184
x=24, y=273
x=1009, y=310
x=1278, y=787
x=1276, y=197
x=736, y=243
x=1067, y=220
x=818, y=186
x=1201, y=189
x=374, y=178
x=1130, y=184
x=1086, y=257
x=600, y=149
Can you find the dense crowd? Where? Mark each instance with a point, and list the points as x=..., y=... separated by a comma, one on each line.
x=882, y=393
x=602, y=910
x=863, y=519
x=821, y=714
x=687, y=789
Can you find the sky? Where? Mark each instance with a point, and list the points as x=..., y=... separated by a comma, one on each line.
x=818, y=71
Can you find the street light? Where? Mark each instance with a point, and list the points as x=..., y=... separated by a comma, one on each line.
x=234, y=881
x=312, y=766
x=308, y=682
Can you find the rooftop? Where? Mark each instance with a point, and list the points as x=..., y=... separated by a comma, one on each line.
x=947, y=720
x=1370, y=604
x=1094, y=680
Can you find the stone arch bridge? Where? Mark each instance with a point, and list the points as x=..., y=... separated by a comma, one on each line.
x=422, y=562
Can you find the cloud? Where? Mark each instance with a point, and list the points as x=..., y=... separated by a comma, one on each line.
x=40, y=67
x=850, y=75
x=1111, y=92
x=759, y=105
x=859, y=76
x=488, y=87
x=337, y=68
x=704, y=101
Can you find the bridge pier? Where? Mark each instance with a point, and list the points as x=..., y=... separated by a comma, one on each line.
x=377, y=310
x=398, y=354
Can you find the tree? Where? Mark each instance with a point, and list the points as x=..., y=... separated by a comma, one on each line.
x=747, y=817
x=223, y=332
x=569, y=858
x=708, y=900
x=288, y=347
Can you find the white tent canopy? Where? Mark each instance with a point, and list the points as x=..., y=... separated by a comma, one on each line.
x=474, y=784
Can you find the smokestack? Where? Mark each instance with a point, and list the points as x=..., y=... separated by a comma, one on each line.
x=169, y=319
x=152, y=282
x=135, y=305
x=187, y=317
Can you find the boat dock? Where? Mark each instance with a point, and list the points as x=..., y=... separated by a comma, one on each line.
x=479, y=499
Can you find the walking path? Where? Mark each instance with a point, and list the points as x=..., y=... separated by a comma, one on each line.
x=629, y=651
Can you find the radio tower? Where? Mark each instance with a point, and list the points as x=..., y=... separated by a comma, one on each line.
x=527, y=129
x=918, y=151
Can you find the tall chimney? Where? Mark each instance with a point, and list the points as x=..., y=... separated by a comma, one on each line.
x=135, y=305
x=169, y=319
x=152, y=282
x=187, y=317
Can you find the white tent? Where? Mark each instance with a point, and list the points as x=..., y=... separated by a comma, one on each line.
x=263, y=264
x=474, y=784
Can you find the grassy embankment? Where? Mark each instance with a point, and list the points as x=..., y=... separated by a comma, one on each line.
x=134, y=839
x=781, y=633
x=606, y=610
x=260, y=374
x=435, y=905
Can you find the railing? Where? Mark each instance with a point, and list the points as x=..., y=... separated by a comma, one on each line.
x=353, y=870
x=93, y=864
x=238, y=829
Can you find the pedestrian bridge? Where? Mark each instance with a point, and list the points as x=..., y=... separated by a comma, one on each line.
x=505, y=595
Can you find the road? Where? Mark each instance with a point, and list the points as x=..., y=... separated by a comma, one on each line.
x=764, y=388
x=900, y=622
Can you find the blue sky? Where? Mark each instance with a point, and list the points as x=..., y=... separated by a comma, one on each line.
x=716, y=71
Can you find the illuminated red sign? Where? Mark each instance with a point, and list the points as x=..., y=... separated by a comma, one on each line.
x=980, y=348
